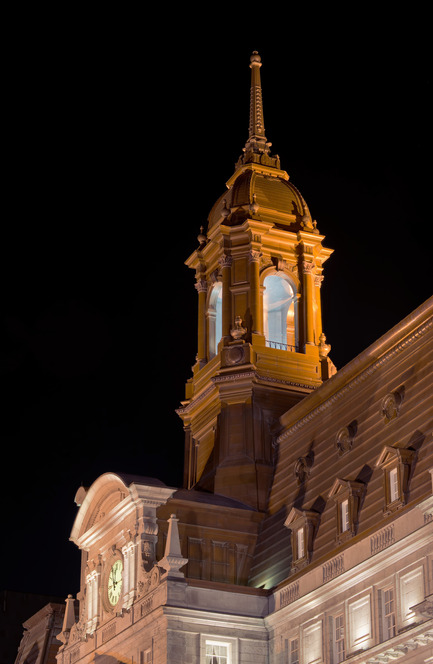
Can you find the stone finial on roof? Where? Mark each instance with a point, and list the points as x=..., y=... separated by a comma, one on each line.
x=173, y=561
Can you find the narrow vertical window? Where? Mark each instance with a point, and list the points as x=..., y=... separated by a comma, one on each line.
x=393, y=485
x=388, y=613
x=294, y=651
x=339, y=639
x=344, y=508
x=215, y=318
x=300, y=543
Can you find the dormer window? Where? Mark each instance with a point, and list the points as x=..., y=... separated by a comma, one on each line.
x=396, y=463
x=347, y=495
x=303, y=526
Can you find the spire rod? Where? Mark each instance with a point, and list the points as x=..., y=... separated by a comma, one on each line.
x=257, y=126
x=257, y=148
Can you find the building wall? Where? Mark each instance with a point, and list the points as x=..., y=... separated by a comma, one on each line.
x=353, y=399
x=352, y=589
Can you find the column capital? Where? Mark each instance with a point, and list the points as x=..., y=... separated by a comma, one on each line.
x=254, y=256
x=201, y=285
x=225, y=261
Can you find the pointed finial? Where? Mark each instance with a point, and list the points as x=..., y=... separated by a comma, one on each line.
x=257, y=148
x=201, y=237
x=173, y=561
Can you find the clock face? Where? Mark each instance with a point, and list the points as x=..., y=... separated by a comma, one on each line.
x=115, y=582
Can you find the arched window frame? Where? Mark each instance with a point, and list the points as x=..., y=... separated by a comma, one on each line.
x=214, y=318
x=292, y=280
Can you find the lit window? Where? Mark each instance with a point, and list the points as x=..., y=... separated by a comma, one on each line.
x=294, y=652
x=387, y=601
x=344, y=515
x=217, y=653
x=339, y=651
x=393, y=484
x=215, y=318
x=300, y=543
x=216, y=650
x=279, y=308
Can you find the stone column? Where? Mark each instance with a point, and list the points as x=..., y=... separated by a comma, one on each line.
x=226, y=265
x=256, y=313
x=308, y=278
x=318, y=278
x=201, y=287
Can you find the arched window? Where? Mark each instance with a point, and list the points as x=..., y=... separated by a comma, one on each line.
x=215, y=319
x=280, y=314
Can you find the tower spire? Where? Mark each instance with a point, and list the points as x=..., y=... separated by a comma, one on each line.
x=257, y=148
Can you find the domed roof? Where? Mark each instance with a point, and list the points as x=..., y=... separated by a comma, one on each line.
x=264, y=192
x=259, y=188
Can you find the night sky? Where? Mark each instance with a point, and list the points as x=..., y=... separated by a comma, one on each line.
x=115, y=155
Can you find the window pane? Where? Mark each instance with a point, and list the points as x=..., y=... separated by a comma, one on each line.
x=217, y=653
x=300, y=543
x=344, y=515
x=393, y=484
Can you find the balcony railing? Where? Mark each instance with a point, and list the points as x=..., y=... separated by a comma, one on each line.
x=280, y=346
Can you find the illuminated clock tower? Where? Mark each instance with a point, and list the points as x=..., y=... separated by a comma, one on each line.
x=261, y=346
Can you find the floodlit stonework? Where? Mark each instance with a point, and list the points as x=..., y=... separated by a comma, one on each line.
x=303, y=533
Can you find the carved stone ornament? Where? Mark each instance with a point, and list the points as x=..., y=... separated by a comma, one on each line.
x=302, y=469
x=255, y=256
x=324, y=348
x=344, y=439
x=149, y=580
x=233, y=355
x=390, y=405
x=308, y=267
x=225, y=261
x=238, y=331
x=201, y=285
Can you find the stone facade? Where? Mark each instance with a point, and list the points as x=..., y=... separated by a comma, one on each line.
x=303, y=533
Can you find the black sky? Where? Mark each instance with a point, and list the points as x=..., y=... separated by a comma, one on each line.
x=116, y=151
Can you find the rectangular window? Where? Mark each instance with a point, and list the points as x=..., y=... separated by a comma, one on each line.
x=217, y=653
x=294, y=651
x=388, y=608
x=339, y=639
x=300, y=543
x=393, y=485
x=344, y=515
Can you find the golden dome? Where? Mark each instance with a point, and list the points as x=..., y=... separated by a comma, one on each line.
x=261, y=192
